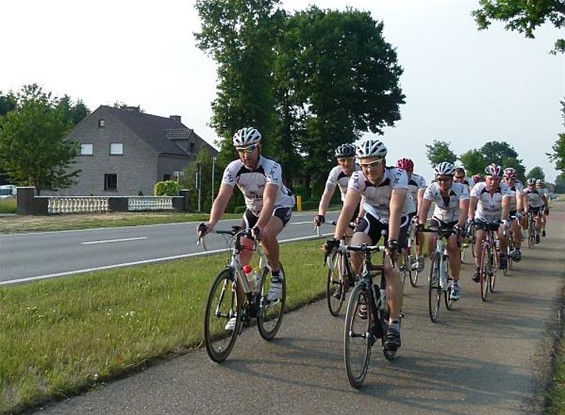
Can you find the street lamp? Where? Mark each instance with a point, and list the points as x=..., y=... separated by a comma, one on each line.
x=199, y=186
x=213, y=170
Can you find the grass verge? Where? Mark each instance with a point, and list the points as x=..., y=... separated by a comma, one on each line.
x=62, y=336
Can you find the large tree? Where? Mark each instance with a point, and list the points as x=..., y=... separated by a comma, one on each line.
x=440, y=151
x=523, y=16
x=33, y=148
x=558, y=154
x=537, y=173
x=473, y=161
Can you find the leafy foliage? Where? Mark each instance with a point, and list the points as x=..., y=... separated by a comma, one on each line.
x=558, y=155
x=473, y=161
x=536, y=172
x=440, y=151
x=33, y=148
x=166, y=188
x=523, y=16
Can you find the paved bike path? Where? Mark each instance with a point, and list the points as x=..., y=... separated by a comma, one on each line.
x=480, y=358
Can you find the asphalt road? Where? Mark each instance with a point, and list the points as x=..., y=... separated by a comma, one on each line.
x=32, y=256
x=480, y=358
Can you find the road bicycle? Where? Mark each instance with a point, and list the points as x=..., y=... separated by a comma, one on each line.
x=439, y=282
x=366, y=319
x=232, y=296
x=409, y=263
x=489, y=260
x=533, y=235
x=510, y=247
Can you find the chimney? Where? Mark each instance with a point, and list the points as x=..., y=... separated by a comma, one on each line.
x=175, y=118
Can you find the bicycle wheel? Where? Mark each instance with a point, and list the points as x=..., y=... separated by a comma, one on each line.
x=413, y=259
x=335, y=284
x=509, y=262
x=270, y=313
x=485, y=274
x=447, y=294
x=357, y=336
x=434, y=289
x=406, y=268
x=494, y=263
x=224, y=302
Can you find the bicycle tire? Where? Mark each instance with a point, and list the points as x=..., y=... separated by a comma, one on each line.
x=406, y=268
x=414, y=274
x=494, y=263
x=334, y=282
x=357, y=337
x=447, y=294
x=270, y=313
x=434, y=289
x=484, y=275
x=224, y=301
x=509, y=261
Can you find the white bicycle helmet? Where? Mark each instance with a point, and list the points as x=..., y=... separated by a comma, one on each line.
x=493, y=170
x=371, y=148
x=345, y=150
x=510, y=172
x=532, y=181
x=246, y=137
x=445, y=168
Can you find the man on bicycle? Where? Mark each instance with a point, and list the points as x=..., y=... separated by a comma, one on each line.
x=489, y=207
x=384, y=190
x=460, y=176
x=416, y=187
x=516, y=207
x=338, y=177
x=535, y=202
x=451, y=207
x=269, y=203
x=540, y=186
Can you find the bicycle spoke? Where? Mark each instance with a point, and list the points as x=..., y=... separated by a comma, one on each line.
x=335, y=285
x=270, y=313
x=434, y=290
x=357, y=336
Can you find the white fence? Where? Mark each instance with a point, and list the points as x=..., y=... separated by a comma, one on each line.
x=97, y=204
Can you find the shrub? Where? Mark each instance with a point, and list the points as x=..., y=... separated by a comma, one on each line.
x=166, y=188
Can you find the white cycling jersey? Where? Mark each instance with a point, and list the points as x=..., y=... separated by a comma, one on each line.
x=534, y=198
x=447, y=208
x=338, y=178
x=252, y=183
x=515, y=190
x=415, y=183
x=377, y=197
x=489, y=207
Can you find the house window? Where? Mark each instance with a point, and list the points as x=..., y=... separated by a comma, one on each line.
x=110, y=182
x=116, y=149
x=191, y=148
x=101, y=123
x=86, y=149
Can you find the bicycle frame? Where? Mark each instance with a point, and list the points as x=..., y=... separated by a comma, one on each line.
x=490, y=249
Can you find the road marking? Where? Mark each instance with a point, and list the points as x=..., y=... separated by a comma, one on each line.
x=128, y=264
x=108, y=241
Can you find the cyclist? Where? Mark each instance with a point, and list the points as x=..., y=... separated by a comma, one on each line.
x=476, y=179
x=461, y=177
x=451, y=200
x=489, y=206
x=540, y=186
x=416, y=187
x=384, y=190
x=535, y=202
x=516, y=207
x=338, y=177
x=269, y=203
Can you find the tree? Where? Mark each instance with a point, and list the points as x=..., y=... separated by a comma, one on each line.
x=440, y=151
x=33, y=148
x=523, y=16
x=7, y=103
x=473, y=161
x=344, y=81
x=558, y=155
x=536, y=172
x=560, y=183
x=501, y=153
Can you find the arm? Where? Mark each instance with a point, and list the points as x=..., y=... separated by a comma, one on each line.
x=219, y=206
x=326, y=198
x=420, y=198
x=505, y=208
x=269, y=198
x=423, y=211
x=397, y=200
x=464, y=206
x=352, y=199
x=472, y=207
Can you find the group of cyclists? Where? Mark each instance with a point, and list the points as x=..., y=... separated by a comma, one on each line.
x=381, y=200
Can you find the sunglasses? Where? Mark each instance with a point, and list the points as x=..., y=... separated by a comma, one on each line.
x=372, y=164
x=248, y=149
x=459, y=177
x=443, y=179
x=345, y=159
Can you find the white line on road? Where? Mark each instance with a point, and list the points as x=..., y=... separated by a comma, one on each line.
x=107, y=241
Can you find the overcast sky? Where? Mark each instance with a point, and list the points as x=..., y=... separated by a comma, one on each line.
x=462, y=86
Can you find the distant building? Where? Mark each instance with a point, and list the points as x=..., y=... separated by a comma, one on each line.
x=124, y=152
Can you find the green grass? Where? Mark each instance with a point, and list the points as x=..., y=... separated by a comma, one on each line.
x=8, y=205
x=62, y=336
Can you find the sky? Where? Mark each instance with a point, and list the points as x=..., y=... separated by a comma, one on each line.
x=462, y=86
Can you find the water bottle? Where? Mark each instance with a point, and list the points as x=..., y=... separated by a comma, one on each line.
x=248, y=271
x=257, y=278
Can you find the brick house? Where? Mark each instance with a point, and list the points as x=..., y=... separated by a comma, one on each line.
x=124, y=152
